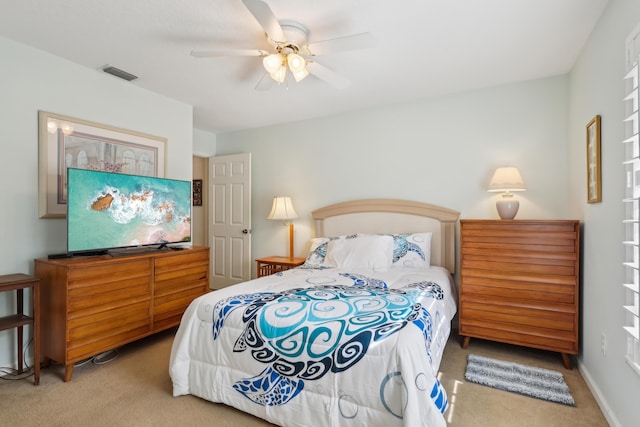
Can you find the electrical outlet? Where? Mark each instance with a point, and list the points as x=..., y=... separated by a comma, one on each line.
x=603, y=344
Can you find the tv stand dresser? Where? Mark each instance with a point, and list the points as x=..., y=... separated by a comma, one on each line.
x=93, y=304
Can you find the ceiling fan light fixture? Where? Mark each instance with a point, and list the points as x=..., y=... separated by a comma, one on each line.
x=272, y=63
x=291, y=49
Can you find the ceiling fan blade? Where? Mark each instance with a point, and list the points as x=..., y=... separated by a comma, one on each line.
x=342, y=44
x=265, y=83
x=228, y=52
x=267, y=20
x=329, y=76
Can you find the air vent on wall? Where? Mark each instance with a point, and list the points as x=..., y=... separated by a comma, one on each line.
x=119, y=73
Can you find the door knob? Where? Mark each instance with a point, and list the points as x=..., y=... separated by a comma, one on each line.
x=245, y=231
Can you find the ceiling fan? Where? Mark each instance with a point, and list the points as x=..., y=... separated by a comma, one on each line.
x=291, y=49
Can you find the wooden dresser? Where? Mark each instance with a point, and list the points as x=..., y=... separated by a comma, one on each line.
x=93, y=304
x=519, y=282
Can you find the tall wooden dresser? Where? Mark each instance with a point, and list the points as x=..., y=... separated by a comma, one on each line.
x=519, y=283
x=93, y=304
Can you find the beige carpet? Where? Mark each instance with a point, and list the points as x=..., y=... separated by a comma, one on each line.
x=135, y=390
x=480, y=406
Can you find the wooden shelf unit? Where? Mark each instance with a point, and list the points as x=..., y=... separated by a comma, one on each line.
x=94, y=304
x=519, y=283
x=19, y=282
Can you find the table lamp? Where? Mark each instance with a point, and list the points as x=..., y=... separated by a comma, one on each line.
x=282, y=209
x=506, y=180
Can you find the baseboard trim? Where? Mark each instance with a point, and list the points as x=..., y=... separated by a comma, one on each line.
x=597, y=394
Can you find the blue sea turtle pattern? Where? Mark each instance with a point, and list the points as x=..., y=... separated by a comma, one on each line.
x=401, y=247
x=302, y=334
x=318, y=254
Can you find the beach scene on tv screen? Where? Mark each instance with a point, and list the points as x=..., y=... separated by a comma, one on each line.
x=107, y=210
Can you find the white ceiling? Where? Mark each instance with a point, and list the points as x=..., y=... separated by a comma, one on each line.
x=424, y=48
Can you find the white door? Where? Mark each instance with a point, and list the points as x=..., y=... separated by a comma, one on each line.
x=230, y=219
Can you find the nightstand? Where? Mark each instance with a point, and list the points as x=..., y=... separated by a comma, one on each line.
x=274, y=264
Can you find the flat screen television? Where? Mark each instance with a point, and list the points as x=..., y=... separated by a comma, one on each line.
x=108, y=210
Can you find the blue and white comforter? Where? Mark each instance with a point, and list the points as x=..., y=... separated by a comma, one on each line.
x=321, y=347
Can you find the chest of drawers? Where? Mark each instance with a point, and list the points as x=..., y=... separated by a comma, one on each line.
x=519, y=283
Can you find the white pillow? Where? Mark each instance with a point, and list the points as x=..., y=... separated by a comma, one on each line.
x=318, y=251
x=412, y=250
x=371, y=252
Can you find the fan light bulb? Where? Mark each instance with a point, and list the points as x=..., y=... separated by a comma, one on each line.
x=296, y=62
x=272, y=63
x=299, y=75
x=280, y=74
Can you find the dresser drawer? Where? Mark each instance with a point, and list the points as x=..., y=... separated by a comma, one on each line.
x=107, y=323
x=80, y=349
x=547, y=291
x=520, y=313
x=178, y=281
x=104, y=272
x=108, y=297
x=176, y=275
x=193, y=277
x=105, y=286
x=171, y=264
x=525, y=336
x=168, y=310
x=516, y=230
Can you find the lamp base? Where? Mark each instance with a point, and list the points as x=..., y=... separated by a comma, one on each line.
x=291, y=240
x=507, y=207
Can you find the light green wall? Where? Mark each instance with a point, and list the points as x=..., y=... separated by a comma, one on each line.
x=596, y=87
x=31, y=80
x=441, y=150
x=204, y=143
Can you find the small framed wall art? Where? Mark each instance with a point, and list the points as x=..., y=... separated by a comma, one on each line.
x=594, y=175
x=197, y=192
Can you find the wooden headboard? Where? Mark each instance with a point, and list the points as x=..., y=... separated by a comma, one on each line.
x=393, y=216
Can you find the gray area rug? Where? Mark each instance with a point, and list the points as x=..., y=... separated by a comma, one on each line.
x=526, y=380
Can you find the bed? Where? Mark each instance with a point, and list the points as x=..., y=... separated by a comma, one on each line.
x=354, y=337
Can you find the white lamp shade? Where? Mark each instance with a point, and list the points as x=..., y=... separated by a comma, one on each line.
x=506, y=179
x=296, y=62
x=299, y=75
x=280, y=74
x=282, y=209
x=272, y=63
